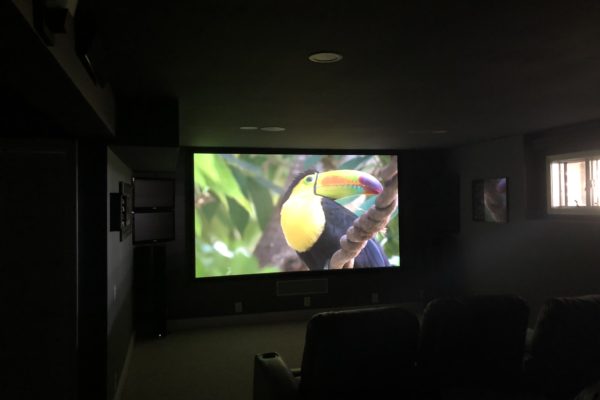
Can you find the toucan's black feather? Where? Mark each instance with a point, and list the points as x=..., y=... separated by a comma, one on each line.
x=337, y=221
x=294, y=182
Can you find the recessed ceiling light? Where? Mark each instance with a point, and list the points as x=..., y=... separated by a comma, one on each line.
x=428, y=131
x=325, y=57
x=248, y=128
x=272, y=129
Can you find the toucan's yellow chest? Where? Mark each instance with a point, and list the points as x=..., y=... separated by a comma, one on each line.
x=302, y=220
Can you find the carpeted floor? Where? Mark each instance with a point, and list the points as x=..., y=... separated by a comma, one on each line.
x=208, y=362
x=215, y=360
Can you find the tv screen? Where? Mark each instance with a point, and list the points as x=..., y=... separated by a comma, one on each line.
x=157, y=226
x=154, y=193
x=269, y=213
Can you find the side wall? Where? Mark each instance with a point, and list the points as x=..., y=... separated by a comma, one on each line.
x=119, y=282
x=533, y=255
x=38, y=341
x=92, y=269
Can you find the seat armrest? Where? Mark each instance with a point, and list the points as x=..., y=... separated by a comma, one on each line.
x=273, y=379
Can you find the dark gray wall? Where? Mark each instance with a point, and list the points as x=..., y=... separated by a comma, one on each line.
x=54, y=267
x=38, y=262
x=119, y=280
x=92, y=269
x=533, y=255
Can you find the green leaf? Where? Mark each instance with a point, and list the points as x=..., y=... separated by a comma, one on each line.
x=246, y=166
x=222, y=227
x=243, y=264
x=210, y=209
x=238, y=215
x=392, y=244
x=251, y=236
x=263, y=202
x=209, y=262
x=221, y=180
x=197, y=224
x=251, y=170
x=355, y=162
x=199, y=180
x=358, y=204
x=312, y=160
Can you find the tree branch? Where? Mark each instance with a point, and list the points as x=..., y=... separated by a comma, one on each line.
x=374, y=220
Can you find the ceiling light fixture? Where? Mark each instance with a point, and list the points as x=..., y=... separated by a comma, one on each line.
x=248, y=128
x=272, y=129
x=428, y=131
x=326, y=57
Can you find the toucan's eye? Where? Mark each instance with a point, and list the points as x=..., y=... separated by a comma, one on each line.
x=309, y=179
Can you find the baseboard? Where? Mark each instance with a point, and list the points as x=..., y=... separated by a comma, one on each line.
x=174, y=325
x=125, y=370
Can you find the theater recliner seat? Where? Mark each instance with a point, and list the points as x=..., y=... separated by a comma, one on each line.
x=364, y=353
x=473, y=347
x=565, y=347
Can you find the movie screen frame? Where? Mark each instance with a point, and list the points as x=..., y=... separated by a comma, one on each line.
x=235, y=197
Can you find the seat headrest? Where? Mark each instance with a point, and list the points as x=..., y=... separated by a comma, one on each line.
x=474, y=337
x=347, y=350
x=568, y=330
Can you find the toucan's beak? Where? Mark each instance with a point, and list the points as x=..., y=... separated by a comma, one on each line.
x=346, y=182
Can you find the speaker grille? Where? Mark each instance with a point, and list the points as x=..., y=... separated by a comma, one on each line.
x=302, y=287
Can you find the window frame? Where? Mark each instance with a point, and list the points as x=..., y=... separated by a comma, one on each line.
x=585, y=156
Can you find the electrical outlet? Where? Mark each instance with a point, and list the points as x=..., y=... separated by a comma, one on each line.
x=238, y=307
x=307, y=301
x=374, y=297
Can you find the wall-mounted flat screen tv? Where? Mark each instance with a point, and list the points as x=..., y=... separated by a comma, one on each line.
x=154, y=193
x=153, y=227
x=269, y=213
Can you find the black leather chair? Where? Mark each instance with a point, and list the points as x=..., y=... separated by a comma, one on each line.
x=565, y=348
x=363, y=353
x=473, y=347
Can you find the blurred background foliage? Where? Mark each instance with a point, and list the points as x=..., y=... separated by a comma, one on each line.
x=236, y=196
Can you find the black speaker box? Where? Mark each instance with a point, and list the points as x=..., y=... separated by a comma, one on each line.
x=149, y=291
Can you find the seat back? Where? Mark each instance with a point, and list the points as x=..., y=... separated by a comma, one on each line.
x=473, y=341
x=365, y=352
x=565, y=347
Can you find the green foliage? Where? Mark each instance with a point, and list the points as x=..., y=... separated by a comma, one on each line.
x=217, y=175
x=355, y=163
x=360, y=204
x=311, y=161
x=235, y=198
x=391, y=242
x=263, y=203
x=218, y=260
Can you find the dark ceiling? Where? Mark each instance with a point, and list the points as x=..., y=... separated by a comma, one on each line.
x=414, y=74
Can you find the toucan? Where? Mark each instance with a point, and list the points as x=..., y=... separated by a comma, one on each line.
x=313, y=222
